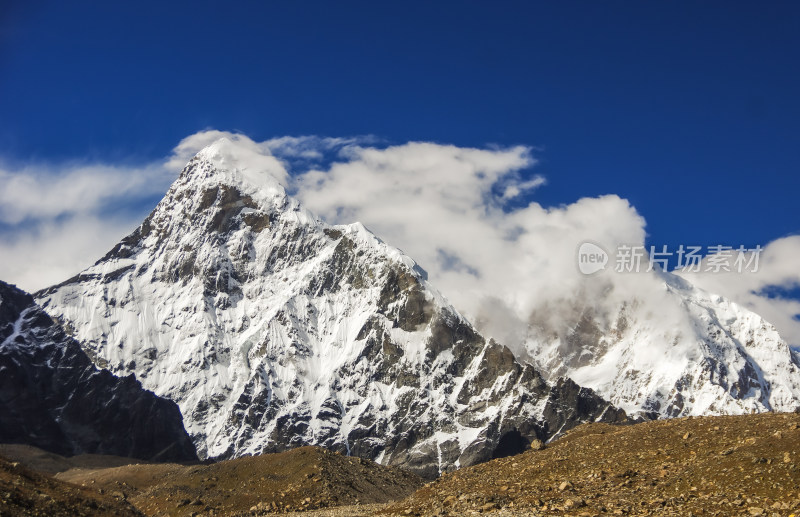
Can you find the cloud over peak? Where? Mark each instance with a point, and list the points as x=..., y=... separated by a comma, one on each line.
x=467, y=215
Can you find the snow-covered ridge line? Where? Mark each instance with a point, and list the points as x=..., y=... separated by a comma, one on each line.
x=696, y=354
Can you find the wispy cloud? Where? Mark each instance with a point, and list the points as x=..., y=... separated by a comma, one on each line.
x=53, y=250
x=48, y=191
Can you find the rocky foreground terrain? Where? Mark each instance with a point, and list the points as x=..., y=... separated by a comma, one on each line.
x=24, y=492
x=303, y=479
x=730, y=465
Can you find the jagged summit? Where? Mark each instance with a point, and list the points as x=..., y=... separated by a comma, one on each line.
x=272, y=329
x=235, y=163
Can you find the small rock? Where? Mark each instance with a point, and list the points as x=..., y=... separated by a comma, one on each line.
x=687, y=435
x=565, y=485
x=755, y=511
x=537, y=445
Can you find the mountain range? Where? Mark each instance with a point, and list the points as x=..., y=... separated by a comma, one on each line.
x=271, y=329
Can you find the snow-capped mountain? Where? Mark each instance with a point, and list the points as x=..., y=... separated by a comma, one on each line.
x=689, y=353
x=271, y=329
x=53, y=397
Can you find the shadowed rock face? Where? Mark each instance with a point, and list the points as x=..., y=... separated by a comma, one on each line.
x=53, y=397
x=271, y=329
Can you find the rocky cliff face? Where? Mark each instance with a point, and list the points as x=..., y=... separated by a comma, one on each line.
x=271, y=329
x=53, y=397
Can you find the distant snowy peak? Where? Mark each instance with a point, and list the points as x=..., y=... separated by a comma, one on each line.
x=693, y=353
x=272, y=329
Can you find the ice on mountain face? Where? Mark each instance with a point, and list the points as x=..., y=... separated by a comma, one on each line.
x=692, y=353
x=271, y=329
x=53, y=397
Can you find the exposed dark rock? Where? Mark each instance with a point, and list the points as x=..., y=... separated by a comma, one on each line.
x=54, y=398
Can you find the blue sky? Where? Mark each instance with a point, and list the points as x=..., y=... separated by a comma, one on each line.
x=688, y=110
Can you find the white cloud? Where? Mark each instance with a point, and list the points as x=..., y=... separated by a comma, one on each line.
x=58, y=220
x=47, y=192
x=446, y=207
x=190, y=146
x=55, y=250
x=311, y=147
x=505, y=267
x=288, y=148
x=525, y=187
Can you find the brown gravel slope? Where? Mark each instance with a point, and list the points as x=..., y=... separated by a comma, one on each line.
x=735, y=465
x=24, y=492
x=301, y=479
x=51, y=463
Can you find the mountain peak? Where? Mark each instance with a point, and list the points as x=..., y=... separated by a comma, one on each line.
x=271, y=329
x=236, y=163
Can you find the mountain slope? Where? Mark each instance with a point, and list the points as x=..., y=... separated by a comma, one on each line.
x=302, y=479
x=53, y=397
x=271, y=329
x=693, y=353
